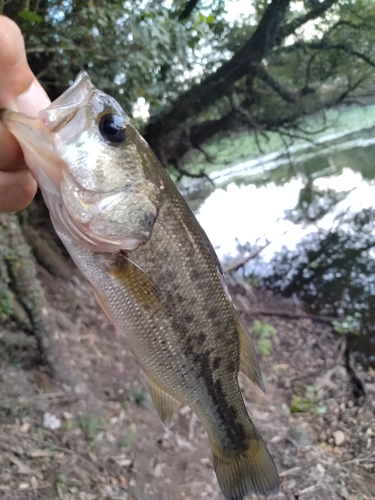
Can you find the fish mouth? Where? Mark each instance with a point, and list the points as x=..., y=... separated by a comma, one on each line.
x=63, y=109
x=36, y=143
x=35, y=134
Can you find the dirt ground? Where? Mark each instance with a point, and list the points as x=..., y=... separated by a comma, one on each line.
x=101, y=439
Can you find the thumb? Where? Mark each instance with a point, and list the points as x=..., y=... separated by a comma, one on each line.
x=19, y=89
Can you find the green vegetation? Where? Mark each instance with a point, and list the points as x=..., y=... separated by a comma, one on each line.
x=6, y=304
x=61, y=482
x=263, y=333
x=91, y=424
x=20, y=410
x=69, y=424
x=306, y=403
x=140, y=397
x=203, y=75
x=307, y=152
x=127, y=440
x=350, y=325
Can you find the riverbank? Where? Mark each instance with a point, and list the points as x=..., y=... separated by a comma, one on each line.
x=102, y=439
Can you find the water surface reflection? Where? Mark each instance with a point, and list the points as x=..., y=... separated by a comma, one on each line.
x=322, y=230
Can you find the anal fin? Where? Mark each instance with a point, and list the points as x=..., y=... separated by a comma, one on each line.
x=165, y=404
x=249, y=364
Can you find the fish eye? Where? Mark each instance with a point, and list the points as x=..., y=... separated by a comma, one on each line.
x=112, y=128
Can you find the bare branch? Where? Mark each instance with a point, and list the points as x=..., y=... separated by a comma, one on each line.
x=291, y=27
x=275, y=85
x=182, y=172
x=235, y=266
x=350, y=88
x=326, y=45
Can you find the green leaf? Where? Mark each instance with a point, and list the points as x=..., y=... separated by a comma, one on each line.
x=265, y=346
x=321, y=410
x=30, y=16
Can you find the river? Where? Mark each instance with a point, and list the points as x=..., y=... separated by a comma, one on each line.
x=312, y=211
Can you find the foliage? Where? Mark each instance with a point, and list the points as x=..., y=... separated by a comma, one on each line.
x=91, y=425
x=62, y=482
x=126, y=440
x=201, y=73
x=131, y=49
x=333, y=271
x=350, y=325
x=6, y=304
x=140, y=397
x=263, y=333
x=306, y=403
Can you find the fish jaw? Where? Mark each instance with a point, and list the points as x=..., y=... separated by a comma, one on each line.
x=62, y=110
x=38, y=149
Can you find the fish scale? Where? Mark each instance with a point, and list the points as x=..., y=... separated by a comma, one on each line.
x=153, y=270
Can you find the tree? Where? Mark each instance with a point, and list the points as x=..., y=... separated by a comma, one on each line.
x=200, y=74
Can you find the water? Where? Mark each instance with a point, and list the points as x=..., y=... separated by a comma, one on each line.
x=314, y=218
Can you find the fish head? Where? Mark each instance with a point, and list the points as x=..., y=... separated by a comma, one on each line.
x=97, y=174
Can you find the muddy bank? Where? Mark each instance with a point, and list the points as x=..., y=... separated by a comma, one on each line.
x=102, y=439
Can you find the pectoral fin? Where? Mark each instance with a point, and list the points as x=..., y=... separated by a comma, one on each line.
x=136, y=282
x=249, y=364
x=165, y=404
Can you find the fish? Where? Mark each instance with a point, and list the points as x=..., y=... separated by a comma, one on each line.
x=153, y=269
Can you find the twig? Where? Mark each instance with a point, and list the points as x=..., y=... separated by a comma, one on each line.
x=241, y=262
x=193, y=421
x=68, y=451
x=42, y=395
x=309, y=489
x=358, y=460
x=322, y=319
x=200, y=175
x=289, y=471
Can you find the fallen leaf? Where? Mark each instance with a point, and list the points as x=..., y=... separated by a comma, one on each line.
x=34, y=482
x=124, y=482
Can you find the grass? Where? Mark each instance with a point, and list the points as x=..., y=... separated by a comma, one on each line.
x=306, y=403
x=90, y=424
x=263, y=333
x=127, y=440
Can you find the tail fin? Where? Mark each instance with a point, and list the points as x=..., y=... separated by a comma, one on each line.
x=249, y=471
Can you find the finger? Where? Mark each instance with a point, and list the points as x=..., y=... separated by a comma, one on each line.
x=11, y=154
x=17, y=189
x=17, y=82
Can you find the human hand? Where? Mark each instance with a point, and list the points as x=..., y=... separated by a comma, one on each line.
x=20, y=91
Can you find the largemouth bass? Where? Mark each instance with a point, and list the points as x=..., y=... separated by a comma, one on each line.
x=153, y=270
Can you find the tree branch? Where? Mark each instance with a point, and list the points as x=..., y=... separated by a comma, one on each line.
x=164, y=132
x=299, y=21
x=216, y=85
x=275, y=85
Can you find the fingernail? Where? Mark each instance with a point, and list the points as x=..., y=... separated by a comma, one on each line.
x=33, y=100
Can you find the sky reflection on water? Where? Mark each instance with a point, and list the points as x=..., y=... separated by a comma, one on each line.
x=242, y=214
